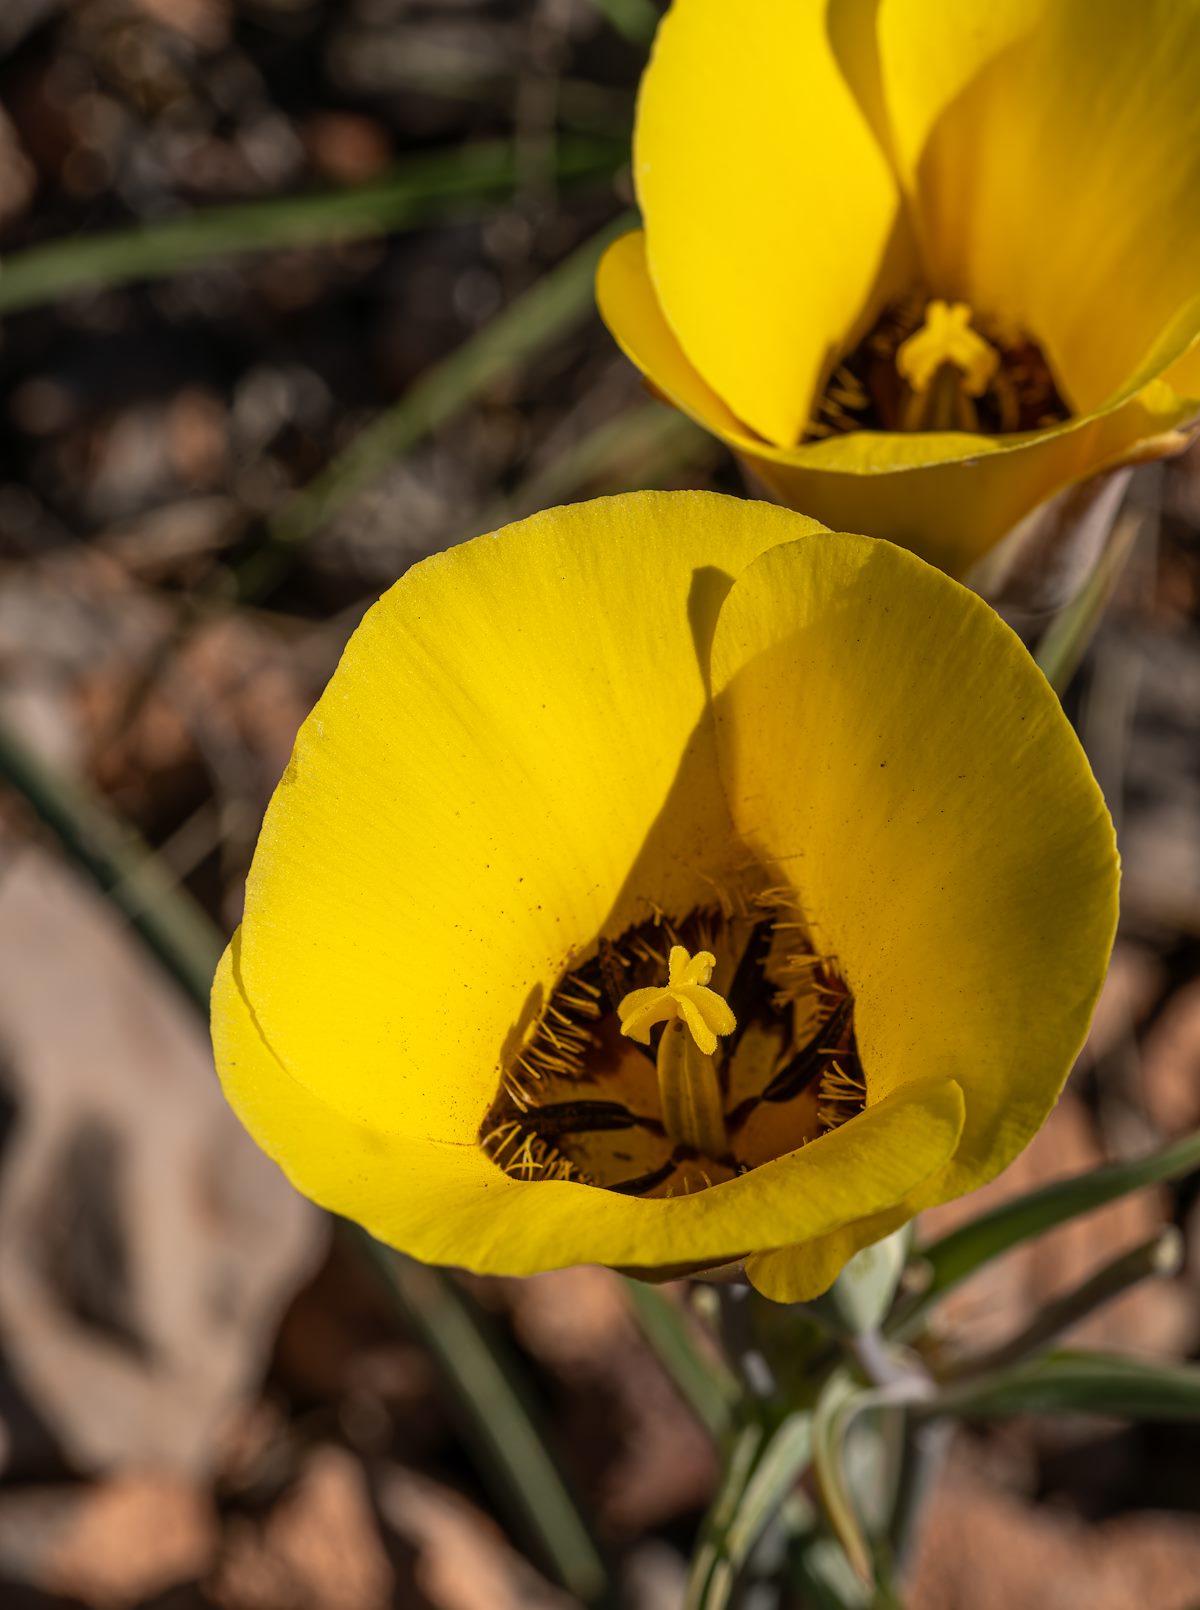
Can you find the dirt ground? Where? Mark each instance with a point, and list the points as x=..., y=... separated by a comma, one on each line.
x=206, y=1399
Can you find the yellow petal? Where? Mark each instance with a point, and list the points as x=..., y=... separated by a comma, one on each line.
x=798, y=1274
x=773, y=218
x=1053, y=156
x=888, y=741
x=950, y=498
x=446, y=1203
x=441, y=851
x=474, y=798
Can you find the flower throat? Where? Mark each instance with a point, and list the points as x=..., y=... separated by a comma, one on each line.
x=929, y=365
x=681, y=1055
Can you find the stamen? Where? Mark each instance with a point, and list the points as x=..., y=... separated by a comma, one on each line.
x=694, y=1016
x=843, y=1094
x=576, y=1104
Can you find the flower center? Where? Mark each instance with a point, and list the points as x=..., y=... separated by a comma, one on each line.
x=681, y=1055
x=930, y=365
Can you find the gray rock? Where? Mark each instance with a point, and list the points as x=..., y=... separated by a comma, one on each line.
x=149, y=1246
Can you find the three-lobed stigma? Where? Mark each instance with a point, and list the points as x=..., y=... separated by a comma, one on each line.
x=694, y=1017
x=685, y=996
x=933, y=365
x=946, y=338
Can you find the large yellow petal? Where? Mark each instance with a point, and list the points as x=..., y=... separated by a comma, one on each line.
x=447, y=1203
x=516, y=754
x=950, y=498
x=1053, y=154
x=466, y=802
x=888, y=741
x=798, y=1274
x=774, y=224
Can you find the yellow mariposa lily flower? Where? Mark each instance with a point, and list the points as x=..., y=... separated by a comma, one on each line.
x=923, y=264
x=665, y=881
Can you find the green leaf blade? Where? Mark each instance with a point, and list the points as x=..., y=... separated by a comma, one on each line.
x=965, y=1251
x=1080, y=1383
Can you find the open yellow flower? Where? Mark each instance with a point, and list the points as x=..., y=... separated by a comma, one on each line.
x=667, y=768
x=922, y=263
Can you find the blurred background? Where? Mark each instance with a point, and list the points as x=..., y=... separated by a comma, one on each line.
x=293, y=293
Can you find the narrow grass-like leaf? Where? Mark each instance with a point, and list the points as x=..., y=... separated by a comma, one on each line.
x=497, y=1420
x=546, y=311
x=1160, y=1255
x=1079, y=1383
x=634, y=20
x=638, y=448
x=761, y=1469
x=174, y=927
x=705, y=1384
x=963, y=1252
x=1066, y=641
x=840, y=1401
x=424, y=189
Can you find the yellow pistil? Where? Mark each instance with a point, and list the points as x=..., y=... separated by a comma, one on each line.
x=694, y=1015
x=946, y=364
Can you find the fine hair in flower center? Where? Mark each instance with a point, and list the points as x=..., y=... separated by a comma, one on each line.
x=580, y=1101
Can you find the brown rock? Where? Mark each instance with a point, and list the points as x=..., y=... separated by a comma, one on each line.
x=149, y=1245
x=1134, y=980
x=463, y=1561
x=983, y=1549
x=1171, y=1063
x=206, y=23
x=647, y=1459
x=131, y=1538
x=320, y=1548
x=198, y=437
x=18, y=180
x=347, y=146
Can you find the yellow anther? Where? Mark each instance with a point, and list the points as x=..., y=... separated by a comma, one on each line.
x=685, y=996
x=689, y=1088
x=946, y=337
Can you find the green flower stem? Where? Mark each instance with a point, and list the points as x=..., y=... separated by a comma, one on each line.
x=432, y=187
x=1161, y=1255
x=925, y=1444
x=914, y=1449
x=1066, y=640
